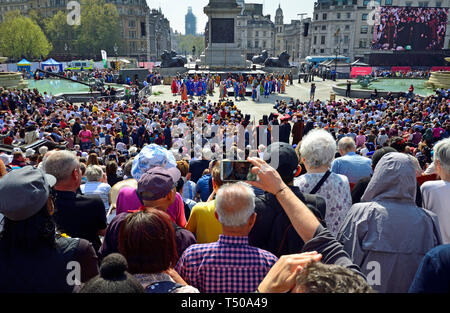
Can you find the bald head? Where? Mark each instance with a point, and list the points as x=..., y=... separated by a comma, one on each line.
x=346, y=145
x=235, y=204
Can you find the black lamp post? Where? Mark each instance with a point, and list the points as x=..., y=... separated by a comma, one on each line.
x=116, y=49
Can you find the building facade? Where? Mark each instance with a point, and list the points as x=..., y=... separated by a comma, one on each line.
x=144, y=32
x=333, y=28
x=255, y=31
x=160, y=34
x=293, y=37
x=23, y=6
x=190, y=23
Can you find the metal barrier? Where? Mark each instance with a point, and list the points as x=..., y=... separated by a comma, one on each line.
x=146, y=91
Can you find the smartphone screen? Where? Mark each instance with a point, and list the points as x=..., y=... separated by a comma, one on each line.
x=234, y=171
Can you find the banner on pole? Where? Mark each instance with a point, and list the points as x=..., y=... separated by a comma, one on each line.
x=104, y=58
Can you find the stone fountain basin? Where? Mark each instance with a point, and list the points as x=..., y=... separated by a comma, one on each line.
x=360, y=92
x=12, y=80
x=439, y=80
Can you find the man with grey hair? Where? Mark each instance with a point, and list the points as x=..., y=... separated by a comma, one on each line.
x=229, y=265
x=436, y=194
x=96, y=184
x=78, y=216
x=350, y=164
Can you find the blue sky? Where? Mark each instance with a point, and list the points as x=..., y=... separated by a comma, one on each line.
x=175, y=10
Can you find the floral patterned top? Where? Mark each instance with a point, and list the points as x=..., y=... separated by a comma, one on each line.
x=335, y=191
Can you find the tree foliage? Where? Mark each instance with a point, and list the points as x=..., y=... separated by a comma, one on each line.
x=186, y=42
x=60, y=33
x=22, y=37
x=99, y=28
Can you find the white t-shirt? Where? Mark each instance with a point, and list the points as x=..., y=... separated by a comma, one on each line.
x=436, y=198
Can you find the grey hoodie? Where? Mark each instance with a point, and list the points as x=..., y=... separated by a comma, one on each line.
x=388, y=227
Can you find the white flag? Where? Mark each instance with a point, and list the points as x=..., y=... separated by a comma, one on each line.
x=105, y=58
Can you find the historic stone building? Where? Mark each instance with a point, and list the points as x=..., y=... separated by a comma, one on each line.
x=160, y=34
x=145, y=32
x=255, y=31
x=293, y=38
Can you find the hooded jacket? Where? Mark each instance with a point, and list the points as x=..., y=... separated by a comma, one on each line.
x=389, y=228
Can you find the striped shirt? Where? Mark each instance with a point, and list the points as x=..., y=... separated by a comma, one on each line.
x=97, y=188
x=229, y=265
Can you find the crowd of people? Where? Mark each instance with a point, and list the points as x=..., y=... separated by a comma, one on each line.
x=402, y=74
x=351, y=194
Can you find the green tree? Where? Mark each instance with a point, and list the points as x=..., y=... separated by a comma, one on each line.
x=186, y=42
x=99, y=28
x=60, y=33
x=37, y=18
x=21, y=36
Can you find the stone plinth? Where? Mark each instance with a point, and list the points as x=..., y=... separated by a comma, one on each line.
x=222, y=50
x=170, y=72
x=280, y=70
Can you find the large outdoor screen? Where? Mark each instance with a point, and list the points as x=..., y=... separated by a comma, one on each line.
x=408, y=28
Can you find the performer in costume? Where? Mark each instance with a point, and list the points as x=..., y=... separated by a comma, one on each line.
x=221, y=95
x=258, y=91
x=242, y=91
x=253, y=93
x=174, y=87
x=191, y=89
x=266, y=89
x=184, y=93
x=225, y=91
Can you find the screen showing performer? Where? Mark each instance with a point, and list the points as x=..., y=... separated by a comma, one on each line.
x=410, y=28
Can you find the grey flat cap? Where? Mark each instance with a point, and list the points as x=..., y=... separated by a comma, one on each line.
x=24, y=192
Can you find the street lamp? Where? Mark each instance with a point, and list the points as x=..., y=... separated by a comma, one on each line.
x=116, y=48
x=335, y=63
x=142, y=52
x=337, y=50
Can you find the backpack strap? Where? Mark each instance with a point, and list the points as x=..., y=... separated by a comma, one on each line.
x=317, y=205
x=320, y=183
x=284, y=238
x=163, y=287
